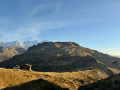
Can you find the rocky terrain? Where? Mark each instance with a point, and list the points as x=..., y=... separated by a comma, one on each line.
x=61, y=57
x=8, y=52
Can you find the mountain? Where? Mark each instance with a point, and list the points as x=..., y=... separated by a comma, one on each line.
x=28, y=44
x=8, y=52
x=13, y=44
x=12, y=79
x=111, y=83
x=25, y=44
x=61, y=57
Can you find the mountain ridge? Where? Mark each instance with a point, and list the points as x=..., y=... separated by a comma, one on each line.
x=60, y=56
x=8, y=52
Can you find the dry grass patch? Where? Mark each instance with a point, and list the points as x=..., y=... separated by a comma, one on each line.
x=10, y=77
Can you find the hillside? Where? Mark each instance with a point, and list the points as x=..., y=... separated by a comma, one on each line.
x=112, y=71
x=111, y=83
x=39, y=84
x=10, y=77
x=60, y=57
x=8, y=52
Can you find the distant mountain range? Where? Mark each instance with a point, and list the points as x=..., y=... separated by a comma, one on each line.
x=10, y=49
x=25, y=44
x=61, y=57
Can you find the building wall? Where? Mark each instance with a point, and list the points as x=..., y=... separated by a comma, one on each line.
x=25, y=67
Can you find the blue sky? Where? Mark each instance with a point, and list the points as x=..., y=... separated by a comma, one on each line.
x=91, y=23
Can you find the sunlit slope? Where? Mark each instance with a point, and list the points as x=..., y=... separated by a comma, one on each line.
x=8, y=52
x=9, y=77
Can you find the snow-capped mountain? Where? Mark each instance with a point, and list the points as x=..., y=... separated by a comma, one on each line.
x=30, y=43
x=25, y=44
x=14, y=43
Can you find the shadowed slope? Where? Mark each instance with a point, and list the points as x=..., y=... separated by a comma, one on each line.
x=111, y=83
x=112, y=71
x=39, y=84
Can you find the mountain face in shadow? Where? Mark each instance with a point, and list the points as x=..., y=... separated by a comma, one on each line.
x=60, y=57
x=39, y=84
x=8, y=52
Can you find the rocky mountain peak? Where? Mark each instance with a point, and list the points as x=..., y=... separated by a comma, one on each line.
x=61, y=48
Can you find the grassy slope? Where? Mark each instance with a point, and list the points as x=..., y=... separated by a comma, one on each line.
x=110, y=83
x=112, y=71
x=9, y=77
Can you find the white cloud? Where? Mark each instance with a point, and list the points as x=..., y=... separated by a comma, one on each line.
x=31, y=30
x=42, y=7
x=31, y=27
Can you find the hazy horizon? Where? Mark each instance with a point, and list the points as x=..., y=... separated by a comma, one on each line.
x=93, y=24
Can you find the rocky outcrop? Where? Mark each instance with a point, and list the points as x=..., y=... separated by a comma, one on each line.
x=8, y=52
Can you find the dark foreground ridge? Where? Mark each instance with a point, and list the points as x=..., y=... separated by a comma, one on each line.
x=39, y=84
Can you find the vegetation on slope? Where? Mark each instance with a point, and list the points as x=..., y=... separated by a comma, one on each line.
x=73, y=80
x=111, y=83
x=112, y=71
